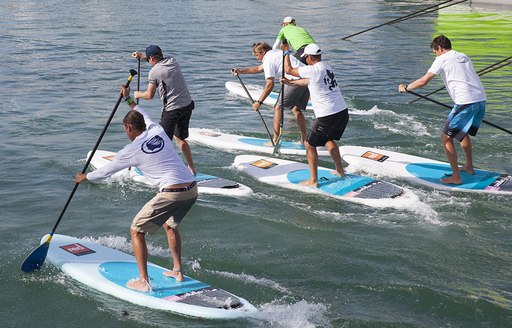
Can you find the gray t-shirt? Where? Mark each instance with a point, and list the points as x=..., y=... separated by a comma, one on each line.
x=170, y=84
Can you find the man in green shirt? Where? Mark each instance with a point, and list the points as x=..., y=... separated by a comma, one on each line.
x=293, y=36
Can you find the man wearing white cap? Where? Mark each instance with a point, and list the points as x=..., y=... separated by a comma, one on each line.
x=294, y=36
x=330, y=108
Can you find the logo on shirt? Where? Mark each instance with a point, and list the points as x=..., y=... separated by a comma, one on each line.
x=330, y=80
x=153, y=145
x=462, y=59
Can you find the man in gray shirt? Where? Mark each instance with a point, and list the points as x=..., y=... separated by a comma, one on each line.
x=167, y=78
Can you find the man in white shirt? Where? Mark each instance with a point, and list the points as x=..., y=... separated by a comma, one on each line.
x=330, y=108
x=468, y=95
x=295, y=97
x=152, y=151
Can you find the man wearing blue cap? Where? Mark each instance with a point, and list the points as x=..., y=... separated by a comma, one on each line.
x=167, y=78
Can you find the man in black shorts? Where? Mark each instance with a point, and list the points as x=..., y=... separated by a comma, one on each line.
x=167, y=78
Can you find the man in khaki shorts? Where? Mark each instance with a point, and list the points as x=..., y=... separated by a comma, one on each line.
x=152, y=152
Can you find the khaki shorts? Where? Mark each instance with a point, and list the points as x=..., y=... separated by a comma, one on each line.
x=165, y=208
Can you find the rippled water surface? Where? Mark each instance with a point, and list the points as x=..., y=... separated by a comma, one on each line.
x=303, y=260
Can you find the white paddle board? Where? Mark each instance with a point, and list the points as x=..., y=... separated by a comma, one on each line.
x=207, y=184
x=255, y=91
x=108, y=270
x=353, y=188
x=423, y=170
x=228, y=141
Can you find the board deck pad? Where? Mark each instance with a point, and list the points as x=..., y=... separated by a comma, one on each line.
x=227, y=141
x=207, y=184
x=108, y=270
x=423, y=170
x=353, y=187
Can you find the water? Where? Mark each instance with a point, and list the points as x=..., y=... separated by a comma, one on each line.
x=303, y=260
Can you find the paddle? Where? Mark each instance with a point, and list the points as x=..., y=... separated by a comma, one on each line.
x=252, y=102
x=406, y=17
x=138, y=77
x=447, y=106
x=35, y=260
x=281, y=118
x=483, y=71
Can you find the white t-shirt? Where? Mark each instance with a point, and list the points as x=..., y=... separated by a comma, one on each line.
x=459, y=77
x=153, y=153
x=323, y=89
x=273, y=65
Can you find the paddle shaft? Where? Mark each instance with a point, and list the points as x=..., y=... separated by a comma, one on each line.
x=132, y=73
x=447, y=106
x=483, y=71
x=281, y=116
x=257, y=110
x=406, y=17
x=138, y=77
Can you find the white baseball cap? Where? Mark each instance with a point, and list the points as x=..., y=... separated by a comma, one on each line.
x=288, y=19
x=312, y=49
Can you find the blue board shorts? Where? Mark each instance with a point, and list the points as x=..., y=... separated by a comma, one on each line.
x=464, y=119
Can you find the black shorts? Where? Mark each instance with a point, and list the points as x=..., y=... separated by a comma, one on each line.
x=327, y=128
x=175, y=122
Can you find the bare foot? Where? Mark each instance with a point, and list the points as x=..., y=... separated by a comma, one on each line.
x=309, y=183
x=139, y=284
x=334, y=172
x=451, y=180
x=468, y=170
x=174, y=273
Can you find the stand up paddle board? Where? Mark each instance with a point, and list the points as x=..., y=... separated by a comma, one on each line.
x=228, y=141
x=255, y=91
x=353, y=188
x=108, y=270
x=207, y=184
x=423, y=170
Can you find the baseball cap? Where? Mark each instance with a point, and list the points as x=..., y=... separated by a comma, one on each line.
x=153, y=50
x=312, y=49
x=288, y=19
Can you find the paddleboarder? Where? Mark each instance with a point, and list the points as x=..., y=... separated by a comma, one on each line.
x=166, y=77
x=152, y=151
x=295, y=36
x=467, y=93
x=331, y=111
x=295, y=97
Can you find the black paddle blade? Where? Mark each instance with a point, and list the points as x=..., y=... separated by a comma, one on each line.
x=133, y=72
x=36, y=259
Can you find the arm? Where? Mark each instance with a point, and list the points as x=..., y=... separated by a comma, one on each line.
x=148, y=94
x=248, y=70
x=277, y=43
x=288, y=69
x=421, y=82
x=299, y=82
x=267, y=89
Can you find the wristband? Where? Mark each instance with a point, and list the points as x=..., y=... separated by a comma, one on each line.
x=129, y=100
x=405, y=87
x=259, y=102
x=287, y=52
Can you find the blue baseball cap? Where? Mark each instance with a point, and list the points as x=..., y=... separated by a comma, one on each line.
x=153, y=50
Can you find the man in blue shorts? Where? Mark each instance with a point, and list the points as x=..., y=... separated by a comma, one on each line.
x=468, y=94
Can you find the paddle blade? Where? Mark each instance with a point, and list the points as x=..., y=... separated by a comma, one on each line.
x=35, y=260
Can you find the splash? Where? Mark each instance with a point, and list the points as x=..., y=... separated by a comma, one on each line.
x=301, y=314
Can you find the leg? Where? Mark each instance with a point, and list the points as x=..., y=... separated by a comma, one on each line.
x=334, y=151
x=277, y=122
x=140, y=251
x=468, y=153
x=312, y=156
x=451, y=155
x=174, y=240
x=301, y=123
x=185, y=149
